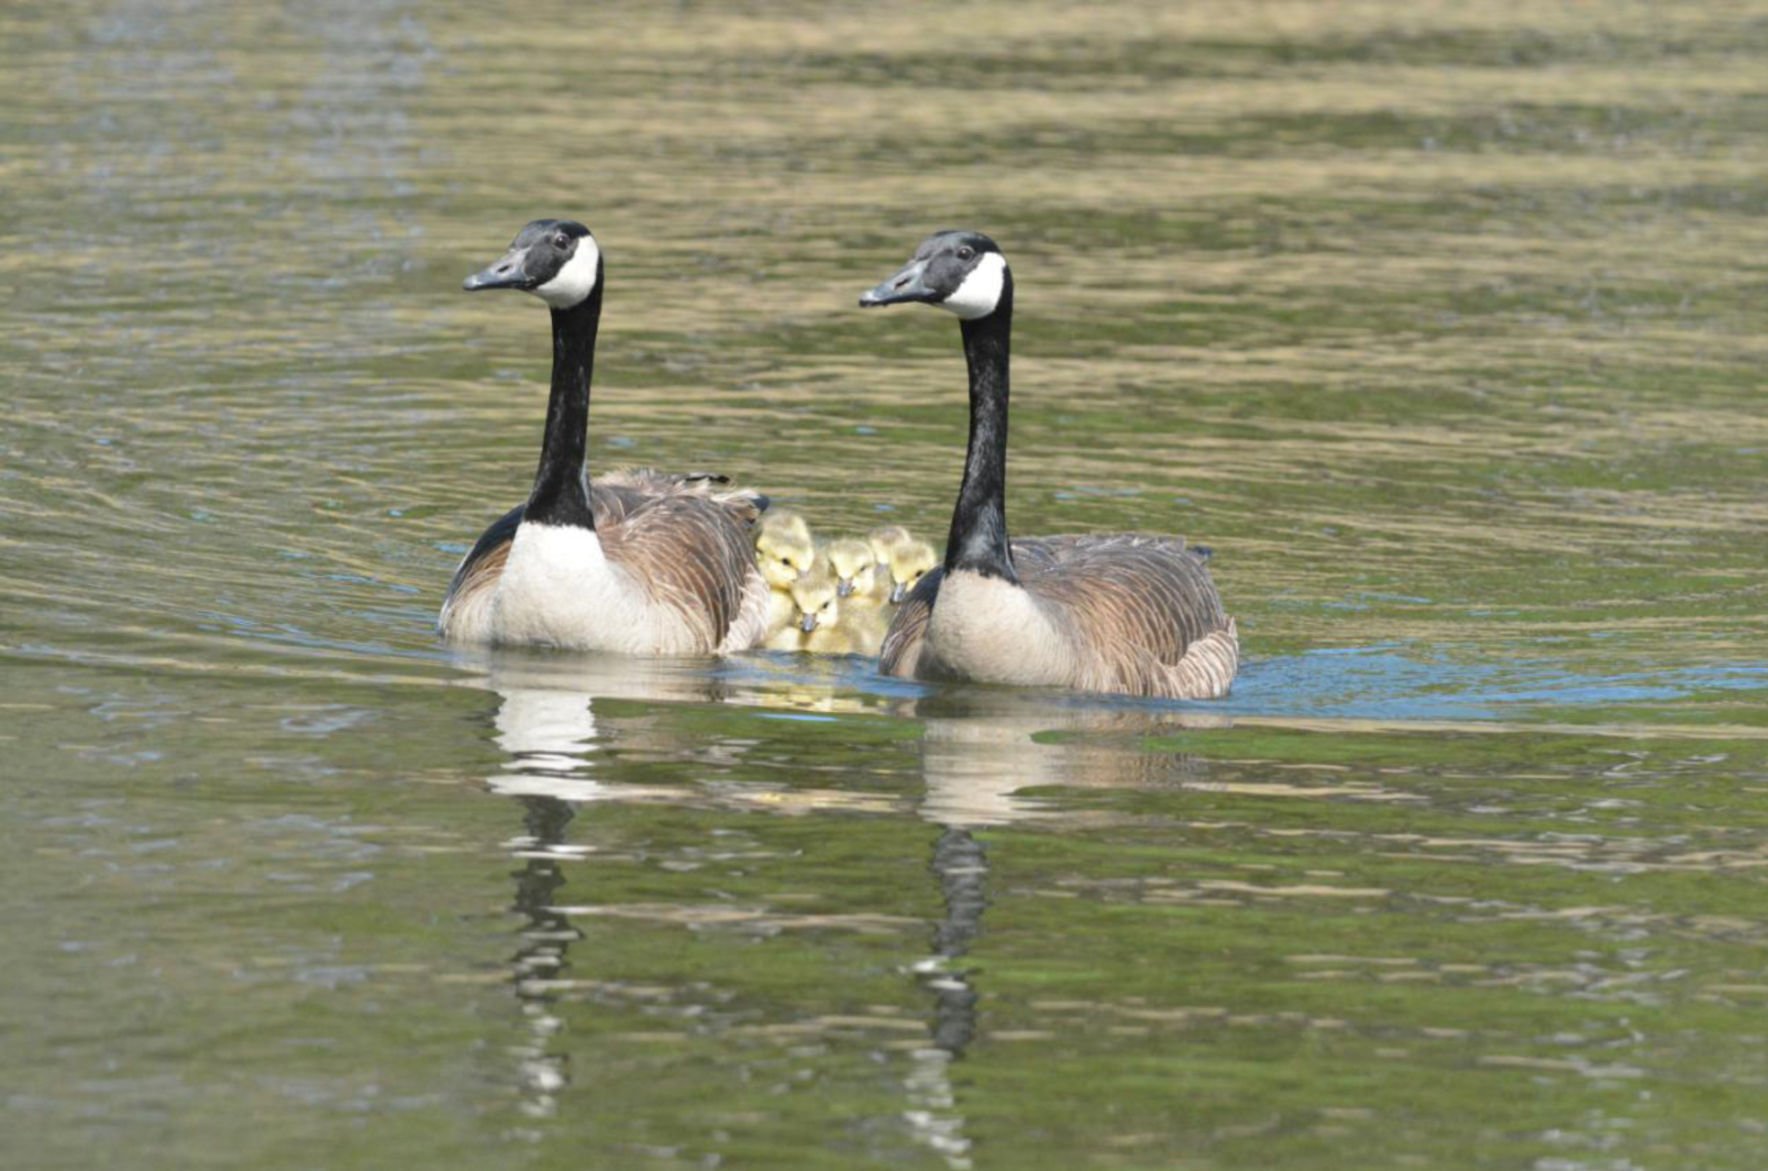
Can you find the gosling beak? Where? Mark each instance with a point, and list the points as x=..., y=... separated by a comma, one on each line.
x=843, y=587
x=508, y=273
x=807, y=623
x=908, y=285
x=898, y=591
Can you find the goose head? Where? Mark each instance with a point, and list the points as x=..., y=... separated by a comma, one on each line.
x=556, y=260
x=956, y=270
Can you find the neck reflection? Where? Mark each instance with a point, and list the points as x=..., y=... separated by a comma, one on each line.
x=553, y=743
x=541, y=961
x=981, y=751
x=961, y=866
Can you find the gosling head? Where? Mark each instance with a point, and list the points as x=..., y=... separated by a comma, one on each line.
x=960, y=271
x=556, y=260
x=784, y=522
x=849, y=559
x=783, y=556
x=885, y=538
x=818, y=602
x=909, y=562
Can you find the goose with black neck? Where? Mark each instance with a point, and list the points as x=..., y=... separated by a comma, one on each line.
x=634, y=562
x=1105, y=612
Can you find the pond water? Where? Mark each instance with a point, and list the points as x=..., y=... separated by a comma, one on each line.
x=1442, y=325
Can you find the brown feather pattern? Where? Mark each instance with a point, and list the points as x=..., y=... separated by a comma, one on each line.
x=683, y=537
x=1139, y=615
x=467, y=605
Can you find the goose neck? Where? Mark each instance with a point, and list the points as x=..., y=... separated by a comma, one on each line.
x=561, y=485
x=978, y=539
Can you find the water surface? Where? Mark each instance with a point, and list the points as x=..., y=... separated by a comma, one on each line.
x=1441, y=326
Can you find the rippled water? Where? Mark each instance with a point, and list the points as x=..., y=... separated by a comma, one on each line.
x=1441, y=325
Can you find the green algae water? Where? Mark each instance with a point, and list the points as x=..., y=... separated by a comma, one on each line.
x=1442, y=325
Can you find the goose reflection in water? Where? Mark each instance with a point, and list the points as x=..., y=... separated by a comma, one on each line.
x=980, y=752
x=983, y=754
x=933, y=1116
x=546, y=725
x=540, y=962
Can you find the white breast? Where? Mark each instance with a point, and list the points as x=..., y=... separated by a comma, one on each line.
x=991, y=630
x=559, y=589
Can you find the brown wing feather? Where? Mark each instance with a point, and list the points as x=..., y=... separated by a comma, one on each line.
x=686, y=538
x=1141, y=614
x=901, y=650
x=467, y=606
x=1138, y=607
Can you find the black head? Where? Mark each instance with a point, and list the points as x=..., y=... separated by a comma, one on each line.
x=960, y=271
x=556, y=260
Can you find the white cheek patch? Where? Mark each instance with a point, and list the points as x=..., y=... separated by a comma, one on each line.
x=981, y=290
x=576, y=279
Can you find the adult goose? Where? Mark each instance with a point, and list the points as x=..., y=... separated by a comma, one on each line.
x=635, y=562
x=1123, y=613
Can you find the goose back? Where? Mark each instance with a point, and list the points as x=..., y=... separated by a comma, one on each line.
x=1097, y=612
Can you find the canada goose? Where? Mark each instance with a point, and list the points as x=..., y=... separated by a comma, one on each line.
x=909, y=561
x=637, y=562
x=1098, y=612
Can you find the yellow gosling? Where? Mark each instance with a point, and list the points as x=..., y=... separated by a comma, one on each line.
x=782, y=522
x=832, y=625
x=782, y=621
x=909, y=562
x=839, y=640
x=859, y=631
x=818, y=602
x=784, y=551
x=885, y=538
x=786, y=638
x=866, y=610
x=852, y=561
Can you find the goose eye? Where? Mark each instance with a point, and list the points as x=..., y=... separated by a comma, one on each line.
x=561, y=241
x=966, y=252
